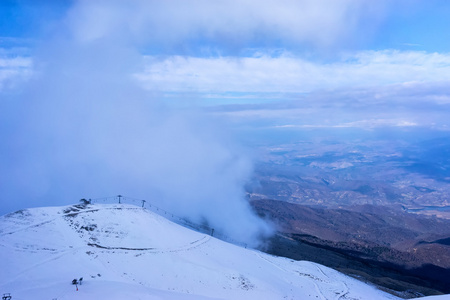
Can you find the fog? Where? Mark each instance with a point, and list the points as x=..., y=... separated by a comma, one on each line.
x=82, y=128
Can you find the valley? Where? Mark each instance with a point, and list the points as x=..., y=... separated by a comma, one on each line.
x=332, y=173
x=388, y=247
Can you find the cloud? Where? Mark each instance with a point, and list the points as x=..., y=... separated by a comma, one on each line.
x=363, y=124
x=13, y=70
x=81, y=127
x=370, y=85
x=292, y=74
x=282, y=74
x=176, y=25
x=405, y=105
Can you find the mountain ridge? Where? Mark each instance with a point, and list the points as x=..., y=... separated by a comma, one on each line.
x=145, y=256
x=376, y=242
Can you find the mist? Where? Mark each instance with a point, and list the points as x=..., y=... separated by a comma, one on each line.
x=82, y=128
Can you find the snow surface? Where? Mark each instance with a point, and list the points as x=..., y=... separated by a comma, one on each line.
x=127, y=252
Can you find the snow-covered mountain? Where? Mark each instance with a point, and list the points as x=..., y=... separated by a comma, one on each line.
x=126, y=252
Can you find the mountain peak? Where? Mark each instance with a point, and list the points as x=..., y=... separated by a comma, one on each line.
x=125, y=251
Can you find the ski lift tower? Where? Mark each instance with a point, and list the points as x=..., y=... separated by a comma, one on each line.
x=120, y=196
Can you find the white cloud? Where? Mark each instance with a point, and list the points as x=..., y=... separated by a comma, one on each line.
x=14, y=70
x=382, y=73
x=291, y=74
x=224, y=22
x=15, y=62
x=370, y=124
x=364, y=124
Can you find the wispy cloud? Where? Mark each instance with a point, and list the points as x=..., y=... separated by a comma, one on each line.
x=363, y=124
x=226, y=24
x=14, y=70
x=406, y=105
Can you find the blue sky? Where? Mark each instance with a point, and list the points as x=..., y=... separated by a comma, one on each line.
x=76, y=76
x=417, y=25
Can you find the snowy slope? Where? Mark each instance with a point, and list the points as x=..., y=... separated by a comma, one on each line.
x=126, y=252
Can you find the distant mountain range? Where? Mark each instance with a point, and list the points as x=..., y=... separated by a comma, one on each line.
x=413, y=175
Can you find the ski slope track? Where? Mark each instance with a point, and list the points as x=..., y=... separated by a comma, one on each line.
x=126, y=252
